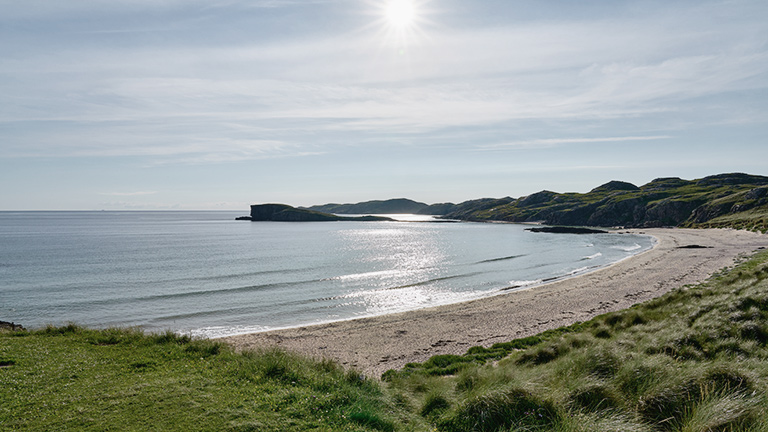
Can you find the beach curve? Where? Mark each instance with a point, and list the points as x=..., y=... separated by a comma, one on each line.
x=376, y=344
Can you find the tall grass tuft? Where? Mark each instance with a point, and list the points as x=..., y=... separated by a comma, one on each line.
x=501, y=410
x=594, y=398
x=434, y=405
x=372, y=420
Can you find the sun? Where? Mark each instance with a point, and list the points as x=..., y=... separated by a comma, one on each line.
x=401, y=24
x=400, y=13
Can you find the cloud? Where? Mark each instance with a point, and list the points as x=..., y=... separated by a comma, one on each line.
x=128, y=194
x=265, y=96
x=43, y=8
x=554, y=142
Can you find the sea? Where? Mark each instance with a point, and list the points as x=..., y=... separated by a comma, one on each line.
x=205, y=274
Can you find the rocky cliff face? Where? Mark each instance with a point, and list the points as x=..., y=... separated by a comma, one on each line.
x=286, y=213
x=731, y=204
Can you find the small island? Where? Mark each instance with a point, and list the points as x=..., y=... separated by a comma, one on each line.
x=286, y=213
x=566, y=230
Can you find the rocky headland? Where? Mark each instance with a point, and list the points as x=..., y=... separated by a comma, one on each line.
x=733, y=200
x=286, y=213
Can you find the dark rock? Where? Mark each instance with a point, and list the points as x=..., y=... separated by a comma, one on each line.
x=243, y=218
x=266, y=212
x=566, y=230
x=613, y=211
x=670, y=212
x=368, y=218
x=711, y=211
x=286, y=213
x=757, y=193
x=729, y=204
x=5, y=325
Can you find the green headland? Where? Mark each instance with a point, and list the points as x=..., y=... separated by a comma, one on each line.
x=733, y=200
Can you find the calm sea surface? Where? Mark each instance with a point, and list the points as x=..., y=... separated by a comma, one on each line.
x=204, y=273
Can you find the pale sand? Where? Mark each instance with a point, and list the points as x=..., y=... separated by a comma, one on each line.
x=374, y=345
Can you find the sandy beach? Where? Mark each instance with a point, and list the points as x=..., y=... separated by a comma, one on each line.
x=374, y=345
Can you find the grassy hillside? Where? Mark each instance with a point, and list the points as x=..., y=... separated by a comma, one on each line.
x=662, y=202
x=692, y=360
x=755, y=219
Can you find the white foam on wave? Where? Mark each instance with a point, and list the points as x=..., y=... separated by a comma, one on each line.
x=597, y=255
x=522, y=283
x=634, y=247
x=578, y=270
x=223, y=331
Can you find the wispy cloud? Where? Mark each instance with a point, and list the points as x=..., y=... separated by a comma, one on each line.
x=266, y=96
x=128, y=194
x=554, y=142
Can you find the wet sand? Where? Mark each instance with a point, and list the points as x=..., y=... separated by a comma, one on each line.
x=374, y=345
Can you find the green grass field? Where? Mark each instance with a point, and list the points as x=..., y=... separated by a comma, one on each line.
x=72, y=378
x=692, y=360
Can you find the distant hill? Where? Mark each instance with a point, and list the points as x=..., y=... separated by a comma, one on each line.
x=733, y=200
x=438, y=209
x=392, y=206
x=465, y=210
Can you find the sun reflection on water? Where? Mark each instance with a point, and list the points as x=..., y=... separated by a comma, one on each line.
x=410, y=265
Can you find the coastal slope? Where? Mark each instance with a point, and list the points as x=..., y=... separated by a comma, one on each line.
x=734, y=200
x=377, y=344
x=712, y=201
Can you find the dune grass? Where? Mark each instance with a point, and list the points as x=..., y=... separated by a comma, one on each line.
x=692, y=360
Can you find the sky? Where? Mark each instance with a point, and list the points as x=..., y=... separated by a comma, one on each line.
x=219, y=104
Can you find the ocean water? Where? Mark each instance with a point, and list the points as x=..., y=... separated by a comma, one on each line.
x=203, y=273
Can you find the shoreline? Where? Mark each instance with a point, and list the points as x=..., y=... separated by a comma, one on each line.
x=376, y=344
x=500, y=292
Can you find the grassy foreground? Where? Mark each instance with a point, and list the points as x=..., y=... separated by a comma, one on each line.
x=71, y=378
x=695, y=359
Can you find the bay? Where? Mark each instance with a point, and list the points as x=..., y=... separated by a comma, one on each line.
x=203, y=273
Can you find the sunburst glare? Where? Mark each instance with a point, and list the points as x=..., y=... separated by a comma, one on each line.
x=400, y=13
x=401, y=21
